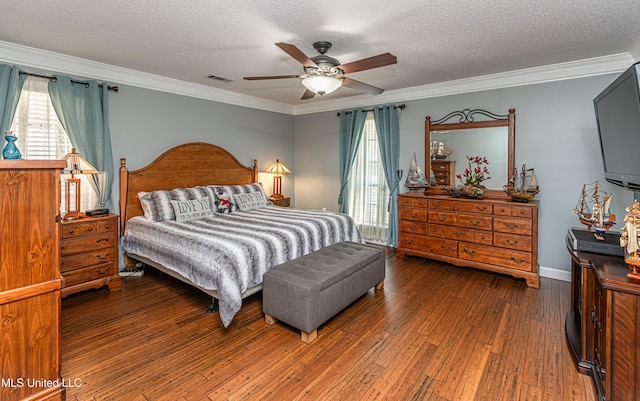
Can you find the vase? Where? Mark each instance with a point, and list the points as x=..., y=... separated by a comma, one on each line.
x=473, y=191
x=10, y=150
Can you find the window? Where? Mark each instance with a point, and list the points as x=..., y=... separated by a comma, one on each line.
x=368, y=191
x=41, y=136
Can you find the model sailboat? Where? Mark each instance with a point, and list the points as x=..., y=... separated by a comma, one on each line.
x=522, y=186
x=593, y=212
x=415, y=177
x=630, y=240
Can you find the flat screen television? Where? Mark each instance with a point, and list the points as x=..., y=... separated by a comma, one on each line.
x=617, y=111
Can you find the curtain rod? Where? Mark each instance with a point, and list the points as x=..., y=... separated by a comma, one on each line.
x=54, y=79
x=400, y=106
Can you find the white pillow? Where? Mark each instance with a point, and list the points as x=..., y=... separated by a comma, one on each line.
x=188, y=210
x=144, y=202
x=249, y=201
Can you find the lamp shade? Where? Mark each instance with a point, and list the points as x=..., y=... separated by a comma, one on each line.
x=77, y=164
x=277, y=168
x=321, y=84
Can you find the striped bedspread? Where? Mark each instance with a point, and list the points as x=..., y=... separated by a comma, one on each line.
x=229, y=253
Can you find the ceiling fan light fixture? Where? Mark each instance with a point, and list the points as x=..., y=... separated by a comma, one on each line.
x=321, y=84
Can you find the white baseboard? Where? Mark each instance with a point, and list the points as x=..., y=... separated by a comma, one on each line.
x=136, y=273
x=555, y=274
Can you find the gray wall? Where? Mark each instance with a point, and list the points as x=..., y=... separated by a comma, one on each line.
x=555, y=133
x=145, y=123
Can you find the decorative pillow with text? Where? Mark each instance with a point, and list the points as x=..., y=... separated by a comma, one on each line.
x=187, y=210
x=250, y=201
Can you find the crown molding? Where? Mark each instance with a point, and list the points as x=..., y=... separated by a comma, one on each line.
x=29, y=57
x=635, y=51
x=615, y=63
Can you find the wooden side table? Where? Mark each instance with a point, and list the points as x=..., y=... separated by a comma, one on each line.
x=284, y=202
x=89, y=254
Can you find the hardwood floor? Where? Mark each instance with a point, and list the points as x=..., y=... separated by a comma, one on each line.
x=435, y=332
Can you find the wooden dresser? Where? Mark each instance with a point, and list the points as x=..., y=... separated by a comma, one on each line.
x=30, y=280
x=494, y=235
x=603, y=325
x=444, y=171
x=89, y=254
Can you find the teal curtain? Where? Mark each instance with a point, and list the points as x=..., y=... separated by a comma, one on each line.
x=351, y=127
x=83, y=110
x=387, y=127
x=10, y=87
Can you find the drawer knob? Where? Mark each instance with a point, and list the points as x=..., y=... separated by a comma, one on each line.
x=511, y=226
x=106, y=226
x=517, y=261
x=90, y=229
x=106, y=255
x=106, y=270
x=70, y=231
x=514, y=242
x=102, y=239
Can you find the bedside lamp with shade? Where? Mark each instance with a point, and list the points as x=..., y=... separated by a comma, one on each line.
x=278, y=169
x=76, y=164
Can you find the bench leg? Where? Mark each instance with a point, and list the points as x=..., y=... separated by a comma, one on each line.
x=308, y=337
x=268, y=319
x=380, y=285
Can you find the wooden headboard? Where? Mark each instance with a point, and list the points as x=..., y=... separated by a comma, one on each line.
x=183, y=166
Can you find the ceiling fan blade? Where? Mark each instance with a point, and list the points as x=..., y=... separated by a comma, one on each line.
x=361, y=86
x=307, y=95
x=272, y=77
x=368, y=63
x=296, y=53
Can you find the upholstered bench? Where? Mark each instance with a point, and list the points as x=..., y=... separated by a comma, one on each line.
x=308, y=291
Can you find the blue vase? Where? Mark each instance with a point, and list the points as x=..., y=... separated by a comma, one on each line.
x=10, y=150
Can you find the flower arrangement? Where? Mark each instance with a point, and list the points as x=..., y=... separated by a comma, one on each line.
x=476, y=173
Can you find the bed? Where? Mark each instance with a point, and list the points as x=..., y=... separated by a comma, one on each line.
x=222, y=254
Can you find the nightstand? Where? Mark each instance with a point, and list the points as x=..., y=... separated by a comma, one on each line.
x=89, y=254
x=284, y=202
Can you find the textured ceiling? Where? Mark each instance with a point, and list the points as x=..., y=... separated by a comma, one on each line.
x=434, y=41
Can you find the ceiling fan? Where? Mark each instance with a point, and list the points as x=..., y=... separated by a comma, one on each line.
x=324, y=74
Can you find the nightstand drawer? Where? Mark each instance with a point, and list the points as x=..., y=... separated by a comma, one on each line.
x=86, y=259
x=87, y=274
x=84, y=244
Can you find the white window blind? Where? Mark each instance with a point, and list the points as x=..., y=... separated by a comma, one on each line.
x=368, y=191
x=41, y=136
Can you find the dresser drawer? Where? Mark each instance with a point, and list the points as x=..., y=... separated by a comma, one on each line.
x=84, y=244
x=412, y=201
x=475, y=207
x=87, y=274
x=512, y=226
x=413, y=227
x=429, y=244
x=410, y=213
x=442, y=204
x=438, y=217
x=79, y=260
x=519, y=242
x=511, y=210
x=477, y=221
x=483, y=237
x=458, y=233
x=495, y=256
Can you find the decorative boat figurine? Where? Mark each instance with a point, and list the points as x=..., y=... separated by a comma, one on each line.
x=416, y=180
x=593, y=212
x=630, y=240
x=522, y=186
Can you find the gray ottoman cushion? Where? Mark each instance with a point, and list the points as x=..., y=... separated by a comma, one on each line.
x=308, y=291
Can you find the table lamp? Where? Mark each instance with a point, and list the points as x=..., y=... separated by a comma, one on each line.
x=278, y=169
x=76, y=164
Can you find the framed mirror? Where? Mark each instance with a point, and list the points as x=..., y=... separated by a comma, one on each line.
x=449, y=140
